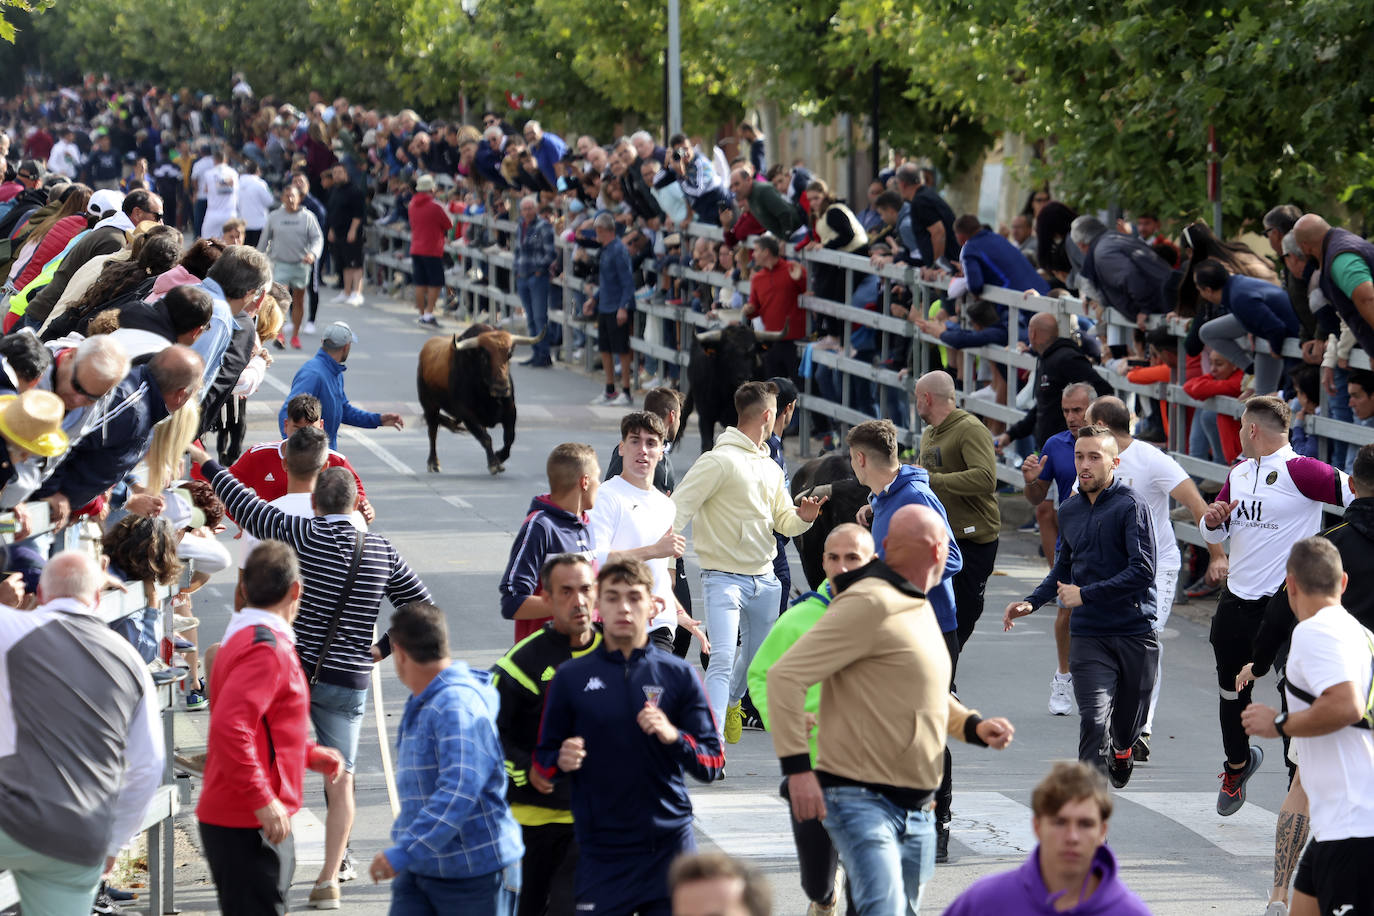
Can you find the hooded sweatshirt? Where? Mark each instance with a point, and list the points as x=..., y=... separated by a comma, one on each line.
x=911, y=487
x=547, y=530
x=1023, y=893
x=735, y=497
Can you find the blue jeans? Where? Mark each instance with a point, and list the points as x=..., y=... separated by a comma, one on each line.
x=1204, y=439
x=534, y=298
x=888, y=852
x=735, y=605
x=493, y=894
x=1342, y=454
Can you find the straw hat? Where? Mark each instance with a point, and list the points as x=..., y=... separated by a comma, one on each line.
x=33, y=421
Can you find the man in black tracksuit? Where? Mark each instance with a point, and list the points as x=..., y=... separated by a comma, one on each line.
x=522, y=679
x=1061, y=363
x=625, y=720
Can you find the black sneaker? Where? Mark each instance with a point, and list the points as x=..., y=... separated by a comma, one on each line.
x=941, y=842
x=1141, y=749
x=104, y=905
x=1119, y=767
x=752, y=722
x=1232, y=794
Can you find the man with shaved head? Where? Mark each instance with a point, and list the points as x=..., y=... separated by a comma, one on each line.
x=1347, y=277
x=1060, y=362
x=956, y=448
x=873, y=783
x=1156, y=478
x=1104, y=573
x=848, y=547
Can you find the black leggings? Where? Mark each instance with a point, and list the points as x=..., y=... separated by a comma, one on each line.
x=944, y=796
x=970, y=584
x=817, y=859
x=548, y=869
x=1234, y=626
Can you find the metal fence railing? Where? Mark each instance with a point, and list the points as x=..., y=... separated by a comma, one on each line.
x=481, y=275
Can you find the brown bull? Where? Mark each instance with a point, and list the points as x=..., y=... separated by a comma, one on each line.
x=464, y=380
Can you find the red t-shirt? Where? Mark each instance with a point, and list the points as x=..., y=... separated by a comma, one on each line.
x=261, y=470
x=773, y=295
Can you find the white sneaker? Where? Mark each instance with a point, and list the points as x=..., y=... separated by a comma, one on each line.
x=341, y=297
x=1276, y=908
x=310, y=326
x=605, y=400
x=1061, y=694
x=356, y=299
x=623, y=399
x=650, y=384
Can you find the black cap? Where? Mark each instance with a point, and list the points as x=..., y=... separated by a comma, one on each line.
x=787, y=392
x=31, y=169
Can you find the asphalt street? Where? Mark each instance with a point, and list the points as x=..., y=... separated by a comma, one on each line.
x=455, y=528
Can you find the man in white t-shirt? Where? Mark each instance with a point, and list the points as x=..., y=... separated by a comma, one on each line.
x=1157, y=478
x=255, y=199
x=633, y=519
x=1329, y=677
x=221, y=185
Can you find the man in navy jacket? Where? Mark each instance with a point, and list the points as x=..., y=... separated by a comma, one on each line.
x=147, y=395
x=1104, y=572
x=625, y=721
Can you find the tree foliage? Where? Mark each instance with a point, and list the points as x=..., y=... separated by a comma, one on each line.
x=1119, y=94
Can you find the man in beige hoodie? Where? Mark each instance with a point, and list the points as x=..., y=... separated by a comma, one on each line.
x=735, y=497
x=880, y=750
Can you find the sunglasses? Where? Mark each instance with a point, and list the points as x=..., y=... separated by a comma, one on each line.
x=76, y=385
x=155, y=217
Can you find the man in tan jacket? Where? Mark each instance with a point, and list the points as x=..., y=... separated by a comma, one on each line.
x=880, y=751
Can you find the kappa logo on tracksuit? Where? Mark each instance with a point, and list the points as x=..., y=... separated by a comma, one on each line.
x=594, y=683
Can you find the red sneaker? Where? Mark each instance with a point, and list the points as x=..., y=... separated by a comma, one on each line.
x=295, y=343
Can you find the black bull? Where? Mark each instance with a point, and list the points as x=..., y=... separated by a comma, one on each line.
x=721, y=361
x=464, y=381
x=829, y=476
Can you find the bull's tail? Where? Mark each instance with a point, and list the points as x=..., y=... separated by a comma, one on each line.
x=687, y=406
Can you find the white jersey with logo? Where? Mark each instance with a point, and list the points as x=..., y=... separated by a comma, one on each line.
x=222, y=199
x=626, y=517
x=1331, y=648
x=1280, y=499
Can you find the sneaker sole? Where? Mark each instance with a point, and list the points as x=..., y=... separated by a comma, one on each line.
x=324, y=904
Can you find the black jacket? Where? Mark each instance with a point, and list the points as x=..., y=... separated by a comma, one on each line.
x=1128, y=274
x=1062, y=364
x=522, y=679
x=1354, y=538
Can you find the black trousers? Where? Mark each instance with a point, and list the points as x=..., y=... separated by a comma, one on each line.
x=1234, y=626
x=971, y=582
x=817, y=859
x=1337, y=873
x=250, y=237
x=547, y=871
x=944, y=796
x=1113, y=677
x=251, y=875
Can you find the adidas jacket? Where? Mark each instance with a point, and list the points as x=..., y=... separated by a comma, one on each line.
x=522, y=681
x=629, y=793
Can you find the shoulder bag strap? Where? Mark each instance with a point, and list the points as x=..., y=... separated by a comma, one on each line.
x=359, y=540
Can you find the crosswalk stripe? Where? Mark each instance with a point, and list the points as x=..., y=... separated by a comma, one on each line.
x=309, y=834
x=745, y=825
x=1248, y=832
x=991, y=824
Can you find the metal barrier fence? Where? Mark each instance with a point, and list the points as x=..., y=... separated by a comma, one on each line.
x=482, y=275
x=115, y=606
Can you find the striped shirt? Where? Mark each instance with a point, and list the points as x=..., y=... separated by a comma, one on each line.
x=535, y=251
x=324, y=547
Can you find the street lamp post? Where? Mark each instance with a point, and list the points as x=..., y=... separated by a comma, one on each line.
x=674, y=68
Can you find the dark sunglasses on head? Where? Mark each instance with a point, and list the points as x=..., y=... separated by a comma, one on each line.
x=155, y=217
x=76, y=386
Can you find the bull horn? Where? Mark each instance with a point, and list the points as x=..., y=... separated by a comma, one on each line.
x=517, y=340
x=819, y=492
x=709, y=337
x=769, y=336
x=469, y=344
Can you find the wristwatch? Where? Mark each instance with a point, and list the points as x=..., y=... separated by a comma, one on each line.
x=1279, y=722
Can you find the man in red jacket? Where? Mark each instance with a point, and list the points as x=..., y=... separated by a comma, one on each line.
x=429, y=226
x=774, y=292
x=258, y=749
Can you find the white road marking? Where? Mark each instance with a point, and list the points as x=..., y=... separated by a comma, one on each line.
x=309, y=833
x=376, y=448
x=1248, y=832
x=457, y=502
x=747, y=825
x=991, y=824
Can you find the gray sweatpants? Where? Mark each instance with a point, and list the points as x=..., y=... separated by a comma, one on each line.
x=1113, y=677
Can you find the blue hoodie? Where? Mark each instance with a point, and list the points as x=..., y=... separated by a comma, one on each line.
x=547, y=530
x=911, y=486
x=322, y=376
x=1022, y=892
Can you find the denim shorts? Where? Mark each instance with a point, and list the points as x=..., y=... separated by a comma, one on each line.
x=337, y=714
